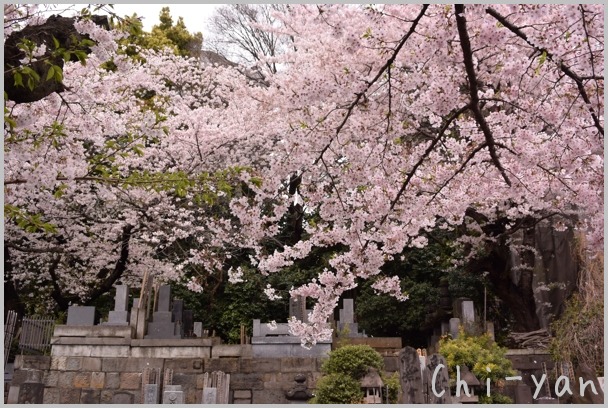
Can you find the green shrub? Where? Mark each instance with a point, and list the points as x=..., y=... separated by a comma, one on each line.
x=337, y=389
x=578, y=336
x=394, y=386
x=480, y=354
x=353, y=361
x=483, y=357
x=343, y=371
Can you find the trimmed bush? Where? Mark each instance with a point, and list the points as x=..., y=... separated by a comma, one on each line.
x=337, y=389
x=353, y=361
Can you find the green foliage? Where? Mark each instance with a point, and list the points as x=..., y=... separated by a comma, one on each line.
x=27, y=221
x=394, y=386
x=164, y=35
x=353, y=360
x=31, y=74
x=337, y=389
x=482, y=356
x=495, y=398
x=224, y=307
x=422, y=272
x=344, y=369
x=578, y=335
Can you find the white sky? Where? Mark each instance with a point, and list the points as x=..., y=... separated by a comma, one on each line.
x=195, y=15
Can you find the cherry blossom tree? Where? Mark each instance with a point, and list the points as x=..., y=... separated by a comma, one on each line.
x=385, y=123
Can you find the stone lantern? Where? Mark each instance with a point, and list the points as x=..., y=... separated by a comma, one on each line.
x=473, y=385
x=372, y=385
x=300, y=391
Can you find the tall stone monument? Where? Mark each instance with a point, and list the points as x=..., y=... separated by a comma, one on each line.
x=120, y=315
x=410, y=374
x=297, y=308
x=441, y=383
x=162, y=325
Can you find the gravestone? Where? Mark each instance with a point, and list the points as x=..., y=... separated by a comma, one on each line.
x=81, y=316
x=120, y=316
x=468, y=314
x=188, y=322
x=164, y=298
x=210, y=395
x=198, y=329
x=445, y=328
x=347, y=313
x=297, y=308
x=490, y=329
x=162, y=325
x=177, y=315
x=410, y=376
x=219, y=381
x=347, y=319
x=454, y=327
x=442, y=381
x=173, y=394
x=150, y=385
x=151, y=393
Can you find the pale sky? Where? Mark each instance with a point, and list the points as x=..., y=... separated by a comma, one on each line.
x=195, y=15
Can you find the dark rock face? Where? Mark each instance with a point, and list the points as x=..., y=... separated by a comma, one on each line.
x=58, y=27
x=556, y=271
x=534, y=275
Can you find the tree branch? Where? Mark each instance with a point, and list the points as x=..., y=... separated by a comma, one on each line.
x=57, y=250
x=119, y=269
x=467, y=53
x=385, y=67
x=563, y=67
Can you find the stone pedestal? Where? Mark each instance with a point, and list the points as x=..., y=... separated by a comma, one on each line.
x=120, y=316
x=151, y=393
x=162, y=325
x=454, y=327
x=173, y=394
x=210, y=396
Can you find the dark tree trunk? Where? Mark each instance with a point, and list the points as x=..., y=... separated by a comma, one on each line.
x=12, y=301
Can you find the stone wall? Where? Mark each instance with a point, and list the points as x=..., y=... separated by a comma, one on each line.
x=106, y=380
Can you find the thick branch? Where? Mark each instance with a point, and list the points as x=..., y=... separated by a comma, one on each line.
x=57, y=250
x=460, y=169
x=426, y=154
x=105, y=286
x=119, y=269
x=467, y=53
x=56, y=293
x=563, y=67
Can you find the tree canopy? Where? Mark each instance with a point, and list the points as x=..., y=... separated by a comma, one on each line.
x=384, y=122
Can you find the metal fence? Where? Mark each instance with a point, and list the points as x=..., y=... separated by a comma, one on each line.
x=9, y=331
x=36, y=334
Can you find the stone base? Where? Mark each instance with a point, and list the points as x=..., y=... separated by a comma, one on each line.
x=287, y=347
x=162, y=330
x=117, y=318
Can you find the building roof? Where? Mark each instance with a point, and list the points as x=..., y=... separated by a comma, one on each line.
x=372, y=379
